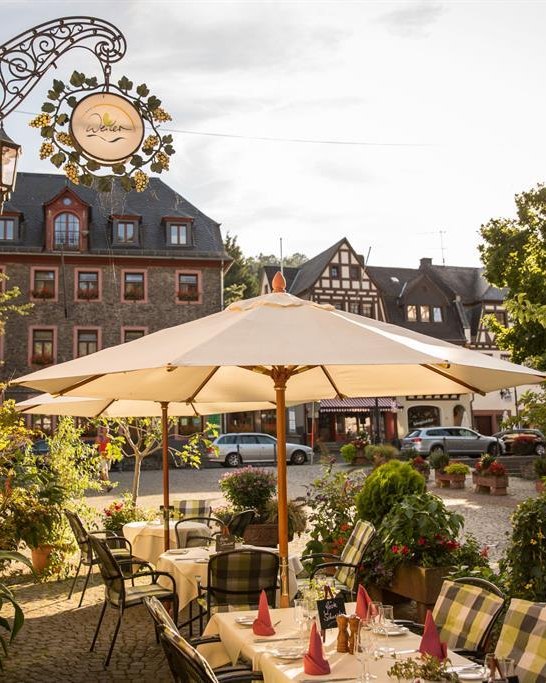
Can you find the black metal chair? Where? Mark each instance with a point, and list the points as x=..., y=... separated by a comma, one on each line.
x=120, y=546
x=187, y=665
x=119, y=596
x=239, y=522
x=193, y=538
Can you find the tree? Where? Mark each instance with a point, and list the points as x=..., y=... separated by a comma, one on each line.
x=514, y=257
x=532, y=410
x=240, y=281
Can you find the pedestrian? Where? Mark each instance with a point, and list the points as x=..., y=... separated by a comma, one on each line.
x=102, y=441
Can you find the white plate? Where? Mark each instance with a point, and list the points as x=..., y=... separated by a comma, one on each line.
x=396, y=631
x=178, y=551
x=469, y=674
x=288, y=653
x=245, y=621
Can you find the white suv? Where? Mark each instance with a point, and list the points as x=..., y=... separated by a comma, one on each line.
x=239, y=448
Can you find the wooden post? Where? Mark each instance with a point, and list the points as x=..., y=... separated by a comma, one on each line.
x=282, y=494
x=165, y=450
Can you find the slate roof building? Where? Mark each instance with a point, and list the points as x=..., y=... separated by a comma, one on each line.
x=102, y=268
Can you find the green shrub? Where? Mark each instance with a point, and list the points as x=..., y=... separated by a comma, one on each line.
x=348, y=452
x=385, y=487
x=540, y=467
x=381, y=453
x=438, y=459
x=249, y=487
x=524, y=561
x=297, y=519
x=457, y=468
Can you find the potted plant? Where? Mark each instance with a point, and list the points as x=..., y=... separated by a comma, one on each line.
x=88, y=293
x=490, y=476
x=122, y=512
x=438, y=460
x=381, y=453
x=453, y=475
x=421, y=465
x=43, y=293
x=426, y=668
x=539, y=466
x=353, y=452
x=297, y=519
x=253, y=487
x=41, y=359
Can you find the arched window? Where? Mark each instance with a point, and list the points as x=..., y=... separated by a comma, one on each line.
x=66, y=232
x=423, y=416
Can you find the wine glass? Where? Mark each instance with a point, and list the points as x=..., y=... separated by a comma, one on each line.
x=300, y=618
x=365, y=649
x=385, y=623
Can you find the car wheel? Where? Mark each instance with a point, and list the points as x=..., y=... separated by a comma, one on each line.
x=540, y=450
x=298, y=458
x=494, y=449
x=233, y=460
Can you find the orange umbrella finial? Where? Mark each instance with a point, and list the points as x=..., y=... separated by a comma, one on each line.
x=279, y=283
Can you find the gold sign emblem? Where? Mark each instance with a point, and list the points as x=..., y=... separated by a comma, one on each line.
x=107, y=127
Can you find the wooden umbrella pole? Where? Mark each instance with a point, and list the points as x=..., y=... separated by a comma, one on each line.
x=165, y=449
x=280, y=376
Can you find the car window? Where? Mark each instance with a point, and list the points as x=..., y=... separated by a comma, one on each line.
x=453, y=431
x=468, y=433
x=413, y=433
x=228, y=439
x=264, y=439
x=246, y=439
x=437, y=432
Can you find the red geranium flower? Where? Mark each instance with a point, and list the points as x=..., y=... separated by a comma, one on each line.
x=395, y=549
x=404, y=550
x=421, y=540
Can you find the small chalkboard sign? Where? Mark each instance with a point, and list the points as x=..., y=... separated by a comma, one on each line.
x=225, y=543
x=328, y=609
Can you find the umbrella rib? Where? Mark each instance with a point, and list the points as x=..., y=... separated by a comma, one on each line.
x=330, y=379
x=453, y=379
x=211, y=374
x=102, y=410
x=79, y=384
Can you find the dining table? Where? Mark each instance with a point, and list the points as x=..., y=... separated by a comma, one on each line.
x=238, y=640
x=148, y=541
x=189, y=567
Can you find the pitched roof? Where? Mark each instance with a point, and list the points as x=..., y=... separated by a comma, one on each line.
x=311, y=270
x=33, y=190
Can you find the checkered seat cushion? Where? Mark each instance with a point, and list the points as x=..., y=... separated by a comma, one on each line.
x=523, y=637
x=464, y=614
x=353, y=552
x=191, y=508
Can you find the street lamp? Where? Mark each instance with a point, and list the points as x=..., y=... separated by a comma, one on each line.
x=9, y=154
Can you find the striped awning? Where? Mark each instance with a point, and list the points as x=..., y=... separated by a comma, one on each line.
x=357, y=405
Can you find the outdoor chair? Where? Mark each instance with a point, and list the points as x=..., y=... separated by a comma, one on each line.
x=523, y=638
x=120, y=547
x=345, y=577
x=239, y=522
x=191, y=508
x=121, y=597
x=187, y=665
x=192, y=538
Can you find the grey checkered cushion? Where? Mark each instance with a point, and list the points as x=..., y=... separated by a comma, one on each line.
x=464, y=613
x=353, y=552
x=523, y=637
x=191, y=508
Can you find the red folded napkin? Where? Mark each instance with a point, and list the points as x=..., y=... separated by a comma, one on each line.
x=314, y=663
x=430, y=642
x=364, y=605
x=262, y=624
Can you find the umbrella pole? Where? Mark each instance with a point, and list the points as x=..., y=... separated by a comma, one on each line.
x=282, y=496
x=165, y=449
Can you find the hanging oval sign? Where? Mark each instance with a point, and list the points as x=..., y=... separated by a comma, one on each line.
x=106, y=127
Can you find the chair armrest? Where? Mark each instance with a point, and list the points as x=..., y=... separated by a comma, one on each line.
x=315, y=555
x=244, y=677
x=204, y=640
x=111, y=536
x=155, y=575
x=326, y=565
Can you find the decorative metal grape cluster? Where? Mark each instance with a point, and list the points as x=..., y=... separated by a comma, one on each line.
x=62, y=151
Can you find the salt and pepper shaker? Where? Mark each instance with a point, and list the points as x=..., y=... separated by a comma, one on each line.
x=354, y=623
x=343, y=633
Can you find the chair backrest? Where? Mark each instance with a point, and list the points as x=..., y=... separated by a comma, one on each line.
x=465, y=614
x=523, y=637
x=159, y=614
x=185, y=663
x=80, y=533
x=110, y=571
x=236, y=579
x=191, y=538
x=239, y=522
x=192, y=508
x=353, y=552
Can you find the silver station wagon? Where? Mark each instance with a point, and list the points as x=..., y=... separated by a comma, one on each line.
x=452, y=440
x=238, y=448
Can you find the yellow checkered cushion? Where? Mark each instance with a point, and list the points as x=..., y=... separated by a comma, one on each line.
x=191, y=508
x=353, y=552
x=464, y=613
x=523, y=637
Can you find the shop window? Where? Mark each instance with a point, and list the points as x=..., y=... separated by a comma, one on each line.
x=43, y=284
x=189, y=425
x=66, y=232
x=437, y=314
x=240, y=422
x=87, y=285
x=424, y=313
x=187, y=287
x=411, y=313
x=42, y=347
x=423, y=416
x=87, y=342
x=9, y=229
x=134, y=287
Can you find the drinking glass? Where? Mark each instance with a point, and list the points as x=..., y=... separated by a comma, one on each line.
x=506, y=667
x=385, y=623
x=300, y=618
x=364, y=651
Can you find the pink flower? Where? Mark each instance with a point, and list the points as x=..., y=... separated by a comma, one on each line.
x=108, y=513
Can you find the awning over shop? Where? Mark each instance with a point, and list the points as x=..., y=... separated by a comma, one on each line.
x=357, y=405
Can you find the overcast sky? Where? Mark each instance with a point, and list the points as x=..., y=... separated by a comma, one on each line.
x=449, y=98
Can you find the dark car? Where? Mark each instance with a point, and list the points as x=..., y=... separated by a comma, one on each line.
x=523, y=441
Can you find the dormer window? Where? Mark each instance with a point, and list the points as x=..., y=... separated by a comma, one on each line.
x=66, y=232
x=125, y=232
x=178, y=233
x=9, y=228
x=411, y=313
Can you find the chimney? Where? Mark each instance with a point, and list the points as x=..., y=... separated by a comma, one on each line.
x=425, y=262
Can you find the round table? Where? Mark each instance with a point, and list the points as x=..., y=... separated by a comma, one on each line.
x=147, y=537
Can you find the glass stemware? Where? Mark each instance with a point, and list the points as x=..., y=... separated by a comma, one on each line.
x=300, y=618
x=385, y=624
x=365, y=650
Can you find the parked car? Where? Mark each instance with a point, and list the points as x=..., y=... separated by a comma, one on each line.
x=452, y=440
x=237, y=448
x=525, y=441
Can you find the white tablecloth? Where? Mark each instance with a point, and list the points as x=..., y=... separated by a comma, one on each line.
x=147, y=537
x=186, y=568
x=237, y=640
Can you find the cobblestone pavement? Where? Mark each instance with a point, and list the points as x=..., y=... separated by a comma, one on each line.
x=54, y=643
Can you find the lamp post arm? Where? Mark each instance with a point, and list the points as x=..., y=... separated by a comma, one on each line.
x=27, y=57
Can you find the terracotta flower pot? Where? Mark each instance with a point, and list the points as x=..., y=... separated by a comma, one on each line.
x=40, y=557
x=266, y=535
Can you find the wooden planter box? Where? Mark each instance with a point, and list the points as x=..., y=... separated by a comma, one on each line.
x=539, y=485
x=421, y=584
x=450, y=481
x=487, y=483
x=266, y=535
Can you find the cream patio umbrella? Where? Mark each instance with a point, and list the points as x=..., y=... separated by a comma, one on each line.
x=46, y=404
x=277, y=347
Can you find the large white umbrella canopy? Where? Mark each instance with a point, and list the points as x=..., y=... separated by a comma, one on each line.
x=278, y=347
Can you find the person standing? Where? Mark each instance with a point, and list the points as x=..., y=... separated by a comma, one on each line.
x=103, y=439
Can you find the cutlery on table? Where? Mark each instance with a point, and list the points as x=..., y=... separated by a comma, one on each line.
x=274, y=640
x=330, y=680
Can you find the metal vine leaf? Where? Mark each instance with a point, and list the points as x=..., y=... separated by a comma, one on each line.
x=27, y=57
